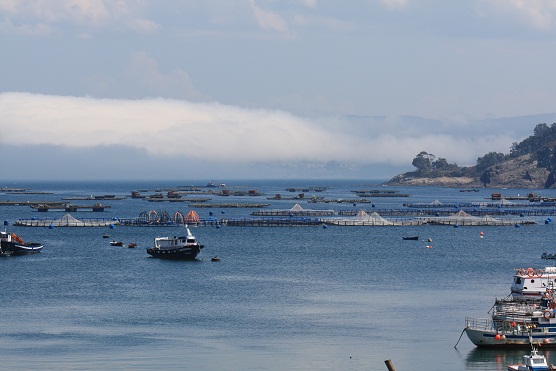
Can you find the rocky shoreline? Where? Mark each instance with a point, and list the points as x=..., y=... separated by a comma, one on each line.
x=520, y=172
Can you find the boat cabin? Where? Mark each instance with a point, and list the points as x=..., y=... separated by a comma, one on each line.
x=533, y=362
x=169, y=242
x=533, y=284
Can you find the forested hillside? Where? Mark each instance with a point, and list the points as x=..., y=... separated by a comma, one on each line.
x=530, y=163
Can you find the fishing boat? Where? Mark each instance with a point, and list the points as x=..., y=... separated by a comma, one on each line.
x=515, y=323
x=532, y=362
x=182, y=248
x=12, y=244
x=531, y=283
x=526, y=316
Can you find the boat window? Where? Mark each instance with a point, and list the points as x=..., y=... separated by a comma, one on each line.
x=538, y=360
x=532, y=281
x=518, y=280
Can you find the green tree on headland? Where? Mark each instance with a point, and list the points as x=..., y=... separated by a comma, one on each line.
x=423, y=162
x=541, y=146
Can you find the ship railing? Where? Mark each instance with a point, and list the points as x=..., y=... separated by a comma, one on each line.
x=513, y=310
x=478, y=323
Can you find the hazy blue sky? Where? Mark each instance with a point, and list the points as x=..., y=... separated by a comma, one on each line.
x=259, y=88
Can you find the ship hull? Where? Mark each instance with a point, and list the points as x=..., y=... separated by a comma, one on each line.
x=488, y=339
x=180, y=253
x=15, y=248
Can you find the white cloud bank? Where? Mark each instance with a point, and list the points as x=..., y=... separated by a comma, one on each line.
x=221, y=134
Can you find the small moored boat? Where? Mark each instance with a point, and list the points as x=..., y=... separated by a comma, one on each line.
x=533, y=362
x=179, y=248
x=411, y=238
x=548, y=256
x=116, y=243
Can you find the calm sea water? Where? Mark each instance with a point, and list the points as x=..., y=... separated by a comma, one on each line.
x=288, y=298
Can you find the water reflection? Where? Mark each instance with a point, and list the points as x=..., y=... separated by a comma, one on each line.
x=499, y=359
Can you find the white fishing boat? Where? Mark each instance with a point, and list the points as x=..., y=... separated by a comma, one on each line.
x=531, y=283
x=532, y=362
x=526, y=317
x=515, y=323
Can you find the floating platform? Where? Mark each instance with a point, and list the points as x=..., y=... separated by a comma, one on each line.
x=23, y=191
x=379, y=193
x=297, y=210
x=461, y=218
x=27, y=203
x=65, y=221
x=68, y=207
x=271, y=222
x=373, y=219
x=307, y=189
x=338, y=201
x=173, y=199
x=228, y=205
x=93, y=198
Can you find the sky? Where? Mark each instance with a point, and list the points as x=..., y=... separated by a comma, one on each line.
x=183, y=89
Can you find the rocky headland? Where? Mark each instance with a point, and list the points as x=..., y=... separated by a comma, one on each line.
x=530, y=164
